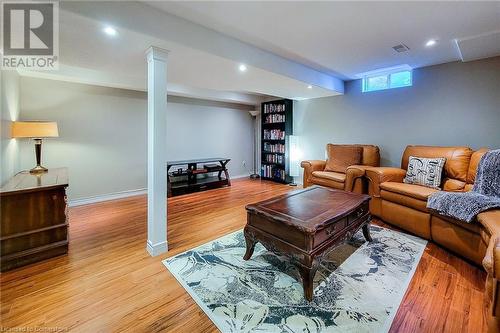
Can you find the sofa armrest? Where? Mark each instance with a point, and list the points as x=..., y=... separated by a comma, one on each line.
x=379, y=175
x=309, y=167
x=490, y=221
x=352, y=173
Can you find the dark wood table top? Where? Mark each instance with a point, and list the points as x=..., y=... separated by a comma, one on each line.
x=310, y=209
x=199, y=160
x=24, y=181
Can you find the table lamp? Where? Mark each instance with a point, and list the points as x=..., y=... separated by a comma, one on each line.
x=35, y=130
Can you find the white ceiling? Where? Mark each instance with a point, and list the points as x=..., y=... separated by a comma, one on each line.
x=346, y=38
x=286, y=45
x=123, y=58
x=197, y=66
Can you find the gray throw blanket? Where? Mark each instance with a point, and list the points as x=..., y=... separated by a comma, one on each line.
x=485, y=194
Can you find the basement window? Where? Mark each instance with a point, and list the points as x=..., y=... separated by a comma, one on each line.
x=395, y=77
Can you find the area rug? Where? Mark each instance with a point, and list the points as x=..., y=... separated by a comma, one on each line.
x=358, y=288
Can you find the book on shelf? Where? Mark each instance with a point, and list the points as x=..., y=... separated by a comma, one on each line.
x=270, y=171
x=274, y=158
x=273, y=108
x=274, y=134
x=274, y=148
x=275, y=119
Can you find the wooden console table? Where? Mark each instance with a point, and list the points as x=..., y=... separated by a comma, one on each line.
x=34, y=223
x=198, y=176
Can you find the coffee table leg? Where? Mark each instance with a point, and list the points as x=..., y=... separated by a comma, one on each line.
x=366, y=232
x=250, y=241
x=307, y=275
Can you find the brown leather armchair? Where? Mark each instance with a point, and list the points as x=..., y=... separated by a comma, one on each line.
x=405, y=205
x=352, y=180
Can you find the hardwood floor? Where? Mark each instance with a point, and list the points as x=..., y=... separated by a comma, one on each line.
x=109, y=283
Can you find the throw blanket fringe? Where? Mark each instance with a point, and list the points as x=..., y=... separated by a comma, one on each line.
x=485, y=194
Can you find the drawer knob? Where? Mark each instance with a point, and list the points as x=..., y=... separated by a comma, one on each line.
x=331, y=230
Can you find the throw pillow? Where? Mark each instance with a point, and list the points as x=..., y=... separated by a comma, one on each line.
x=425, y=171
x=341, y=157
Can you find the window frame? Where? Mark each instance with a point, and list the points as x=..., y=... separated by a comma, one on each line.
x=388, y=74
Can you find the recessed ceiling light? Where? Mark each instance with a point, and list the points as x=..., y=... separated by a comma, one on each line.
x=431, y=42
x=110, y=31
x=309, y=87
x=242, y=68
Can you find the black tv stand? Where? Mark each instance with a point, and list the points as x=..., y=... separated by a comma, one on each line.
x=200, y=174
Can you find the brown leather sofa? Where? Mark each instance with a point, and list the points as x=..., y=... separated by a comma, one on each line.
x=352, y=180
x=404, y=205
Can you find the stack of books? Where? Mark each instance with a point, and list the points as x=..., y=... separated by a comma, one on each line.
x=274, y=148
x=275, y=134
x=274, y=158
x=269, y=171
x=273, y=108
x=275, y=119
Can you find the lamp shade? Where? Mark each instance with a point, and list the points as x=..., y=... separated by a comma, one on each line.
x=34, y=129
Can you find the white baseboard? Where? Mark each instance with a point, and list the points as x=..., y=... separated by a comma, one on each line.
x=118, y=195
x=240, y=176
x=106, y=197
x=156, y=249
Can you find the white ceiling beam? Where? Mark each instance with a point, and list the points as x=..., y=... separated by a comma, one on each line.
x=147, y=20
x=104, y=79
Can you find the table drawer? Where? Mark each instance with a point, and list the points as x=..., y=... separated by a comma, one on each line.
x=361, y=211
x=277, y=229
x=330, y=231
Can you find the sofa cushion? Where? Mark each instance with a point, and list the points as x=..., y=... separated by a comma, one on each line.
x=341, y=157
x=457, y=159
x=327, y=182
x=330, y=175
x=415, y=191
x=468, y=187
x=371, y=153
x=405, y=200
x=453, y=185
x=474, y=163
x=425, y=171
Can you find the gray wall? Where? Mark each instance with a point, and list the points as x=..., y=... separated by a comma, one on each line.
x=103, y=133
x=450, y=104
x=9, y=111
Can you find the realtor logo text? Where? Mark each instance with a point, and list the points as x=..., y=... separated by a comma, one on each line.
x=30, y=33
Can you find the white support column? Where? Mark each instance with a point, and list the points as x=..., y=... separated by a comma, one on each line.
x=157, y=145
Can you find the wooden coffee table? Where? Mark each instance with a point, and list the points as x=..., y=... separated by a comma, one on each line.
x=306, y=225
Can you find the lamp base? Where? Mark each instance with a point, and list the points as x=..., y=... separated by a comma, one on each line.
x=254, y=176
x=38, y=169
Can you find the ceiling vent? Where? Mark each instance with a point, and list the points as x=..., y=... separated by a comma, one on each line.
x=401, y=48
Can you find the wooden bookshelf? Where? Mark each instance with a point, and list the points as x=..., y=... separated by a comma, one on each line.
x=277, y=126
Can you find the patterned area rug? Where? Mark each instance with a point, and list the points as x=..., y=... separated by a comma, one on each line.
x=358, y=288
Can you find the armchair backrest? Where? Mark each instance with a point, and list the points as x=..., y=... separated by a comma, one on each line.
x=371, y=153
